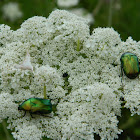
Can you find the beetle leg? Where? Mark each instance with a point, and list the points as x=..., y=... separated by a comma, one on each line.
x=31, y=115
x=139, y=67
x=45, y=116
x=24, y=113
x=122, y=79
x=48, y=116
x=121, y=73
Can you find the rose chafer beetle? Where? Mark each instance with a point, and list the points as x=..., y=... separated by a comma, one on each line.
x=36, y=106
x=130, y=65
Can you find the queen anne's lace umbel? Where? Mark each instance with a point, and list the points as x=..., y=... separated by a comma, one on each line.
x=81, y=73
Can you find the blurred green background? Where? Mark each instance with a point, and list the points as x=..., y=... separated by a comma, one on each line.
x=122, y=15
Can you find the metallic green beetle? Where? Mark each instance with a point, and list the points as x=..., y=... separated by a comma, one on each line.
x=130, y=65
x=36, y=106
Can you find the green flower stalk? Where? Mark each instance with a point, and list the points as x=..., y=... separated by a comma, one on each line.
x=45, y=96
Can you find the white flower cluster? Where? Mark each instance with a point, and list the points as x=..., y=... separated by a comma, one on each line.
x=34, y=31
x=45, y=75
x=67, y=3
x=81, y=74
x=91, y=109
x=8, y=108
x=6, y=35
x=81, y=12
x=11, y=11
x=30, y=132
x=133, y=102
x=132, y=96
x=104, y=43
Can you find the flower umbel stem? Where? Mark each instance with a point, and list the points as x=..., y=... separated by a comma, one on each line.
x=78, y=45
x=45, y=97
x=110, y=13
x=6, y=131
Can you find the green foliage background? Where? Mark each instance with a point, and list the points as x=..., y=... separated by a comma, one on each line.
x=125, y=20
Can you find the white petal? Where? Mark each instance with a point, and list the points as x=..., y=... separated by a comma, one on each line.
x=26, y=65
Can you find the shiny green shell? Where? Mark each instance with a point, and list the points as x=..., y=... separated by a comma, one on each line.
x=130, y=65
x=36, y=105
